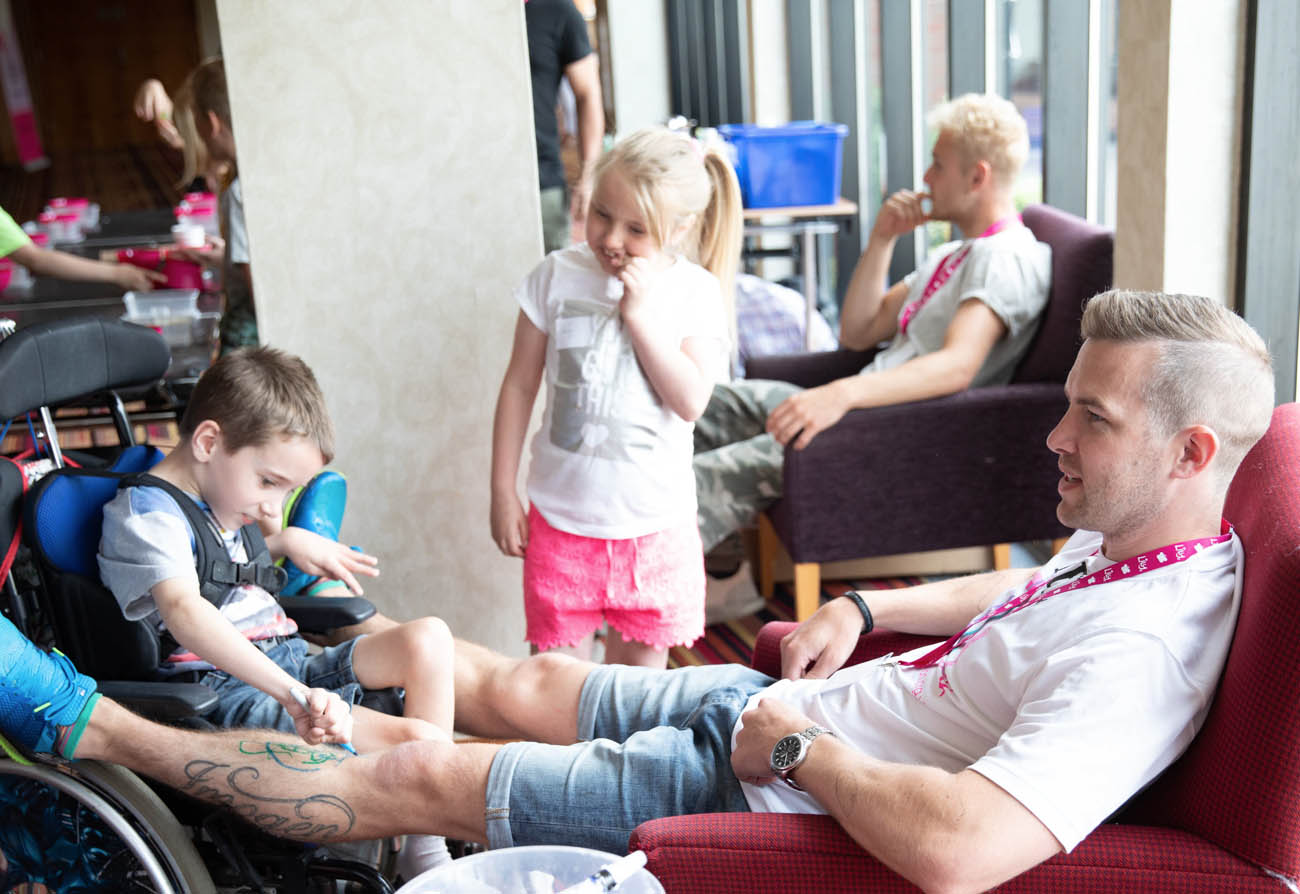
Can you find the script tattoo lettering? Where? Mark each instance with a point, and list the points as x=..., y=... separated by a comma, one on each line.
x=315, y=817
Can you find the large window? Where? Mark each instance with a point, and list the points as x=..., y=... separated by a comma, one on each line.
x=1020, y=79
x=934, y=90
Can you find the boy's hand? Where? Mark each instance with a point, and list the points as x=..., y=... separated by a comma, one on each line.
x=321, y=717
x=509, y=525
x=323, y=557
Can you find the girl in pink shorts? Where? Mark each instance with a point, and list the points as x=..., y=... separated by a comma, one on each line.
x=631, y=330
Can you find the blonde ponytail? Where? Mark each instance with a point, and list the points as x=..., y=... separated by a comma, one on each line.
x=721, y=228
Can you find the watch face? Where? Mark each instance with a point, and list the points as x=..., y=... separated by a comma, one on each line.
x=787, y=751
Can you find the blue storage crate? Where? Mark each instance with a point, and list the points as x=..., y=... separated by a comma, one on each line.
x=795, y=164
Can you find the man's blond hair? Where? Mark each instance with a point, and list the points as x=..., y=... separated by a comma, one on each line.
x=985, y=127
x=1213, y=368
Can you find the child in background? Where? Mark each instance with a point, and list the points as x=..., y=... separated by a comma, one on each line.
x=153, y=106
x=18, y=247
x=256, y=427
x=632, y=330
x=202, y=116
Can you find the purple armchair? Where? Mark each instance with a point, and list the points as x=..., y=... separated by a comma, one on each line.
x=969, y=469
x=1224, y=817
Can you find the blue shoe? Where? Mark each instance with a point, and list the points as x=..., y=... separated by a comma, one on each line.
x=44, y=702
x=318, y=507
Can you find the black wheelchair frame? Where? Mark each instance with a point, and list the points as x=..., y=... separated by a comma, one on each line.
x=100, y=824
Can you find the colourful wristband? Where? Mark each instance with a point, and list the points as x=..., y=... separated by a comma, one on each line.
x=867, y=622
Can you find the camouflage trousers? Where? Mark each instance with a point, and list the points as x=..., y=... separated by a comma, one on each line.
x=737, y=463
x=238, y=329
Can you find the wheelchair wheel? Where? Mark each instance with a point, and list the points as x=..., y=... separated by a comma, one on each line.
x=91, y=827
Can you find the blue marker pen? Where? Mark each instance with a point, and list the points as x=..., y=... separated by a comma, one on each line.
x=301, y=698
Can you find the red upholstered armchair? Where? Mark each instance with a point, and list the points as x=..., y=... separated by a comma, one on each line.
x=964, y=470
x=1224, y=817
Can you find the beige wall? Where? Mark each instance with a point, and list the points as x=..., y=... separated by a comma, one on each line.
x=386, y=154
x=1179, y=136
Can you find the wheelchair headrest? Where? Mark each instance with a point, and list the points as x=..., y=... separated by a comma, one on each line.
x=65, y=514
x=51, y=363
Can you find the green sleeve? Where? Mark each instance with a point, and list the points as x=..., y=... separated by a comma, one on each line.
x=12, y=236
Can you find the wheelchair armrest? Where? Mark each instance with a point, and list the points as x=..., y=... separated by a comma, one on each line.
x=161, y=700
x=318, y=614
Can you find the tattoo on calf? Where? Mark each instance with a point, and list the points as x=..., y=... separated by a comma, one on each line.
x=313, y=817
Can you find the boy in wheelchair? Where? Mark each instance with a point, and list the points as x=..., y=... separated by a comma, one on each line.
x=256, y=428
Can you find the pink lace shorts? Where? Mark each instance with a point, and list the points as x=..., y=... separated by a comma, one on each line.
x=650, y=589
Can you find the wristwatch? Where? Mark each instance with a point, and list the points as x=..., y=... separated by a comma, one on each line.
x=791, y=751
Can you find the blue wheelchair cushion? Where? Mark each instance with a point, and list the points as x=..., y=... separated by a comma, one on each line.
x=70, y=513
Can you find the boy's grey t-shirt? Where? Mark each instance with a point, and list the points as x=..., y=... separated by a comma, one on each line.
x=1010, y=272
x=147, y=540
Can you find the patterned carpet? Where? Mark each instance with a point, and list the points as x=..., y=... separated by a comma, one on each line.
x=733, y=642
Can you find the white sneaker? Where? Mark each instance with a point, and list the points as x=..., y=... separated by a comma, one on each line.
x=731, y=597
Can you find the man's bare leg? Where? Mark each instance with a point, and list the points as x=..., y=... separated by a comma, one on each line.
x=288, y=788
x=533, y=698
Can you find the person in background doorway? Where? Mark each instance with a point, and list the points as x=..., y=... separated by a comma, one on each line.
x=558, y=48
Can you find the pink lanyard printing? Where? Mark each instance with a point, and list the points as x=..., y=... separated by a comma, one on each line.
x=1036, y=590
x=947, y=267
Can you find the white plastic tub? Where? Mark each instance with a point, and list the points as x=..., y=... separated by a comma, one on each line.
x=511, y=870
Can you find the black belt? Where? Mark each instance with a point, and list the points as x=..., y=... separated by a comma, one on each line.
x=272, y=641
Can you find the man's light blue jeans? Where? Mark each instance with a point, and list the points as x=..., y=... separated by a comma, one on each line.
x=654, y=744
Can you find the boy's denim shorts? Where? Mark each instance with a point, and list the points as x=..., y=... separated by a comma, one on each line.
x=653, y=744
x=245, y=706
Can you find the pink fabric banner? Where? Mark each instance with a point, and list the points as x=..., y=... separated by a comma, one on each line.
x=22, y=117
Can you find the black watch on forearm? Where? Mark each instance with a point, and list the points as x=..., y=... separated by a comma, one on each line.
x=867, y=622
x=789, y=753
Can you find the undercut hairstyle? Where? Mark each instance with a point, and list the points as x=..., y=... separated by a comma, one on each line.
x=677, y=181
x=985, y=127
x=1213, y=368
x=257, y=394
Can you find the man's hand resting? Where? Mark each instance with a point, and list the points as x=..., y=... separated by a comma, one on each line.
x=819, y=646
x=803, y=416
x=760, y=729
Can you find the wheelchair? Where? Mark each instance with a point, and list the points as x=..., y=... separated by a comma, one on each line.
x=88, y=826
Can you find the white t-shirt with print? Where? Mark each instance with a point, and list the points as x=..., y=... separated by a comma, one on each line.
x=611, y=461
x=1009, y=272
x=1070, y=705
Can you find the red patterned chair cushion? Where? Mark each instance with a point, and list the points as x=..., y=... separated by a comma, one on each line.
x=1223, y=818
